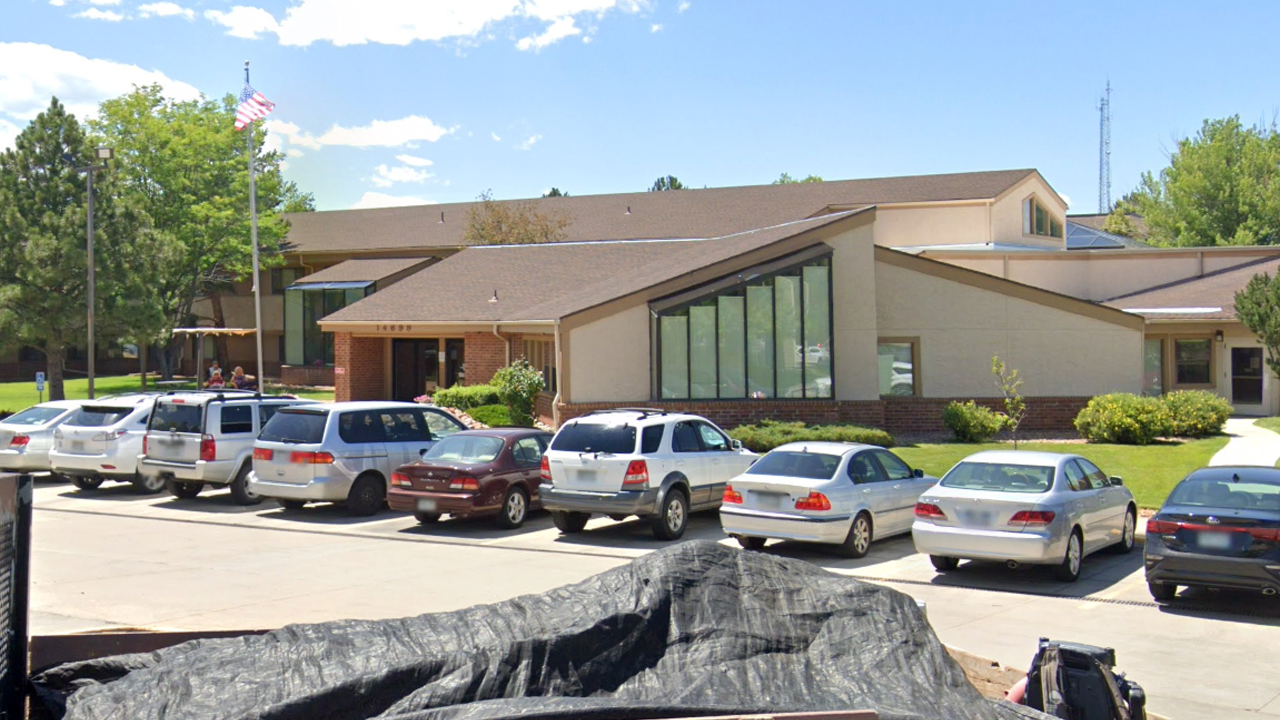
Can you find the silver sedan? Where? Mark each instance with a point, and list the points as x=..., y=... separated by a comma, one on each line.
x=1024, y=508
x=27, y=437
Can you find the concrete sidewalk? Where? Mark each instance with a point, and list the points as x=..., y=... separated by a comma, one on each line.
x=1249, y=445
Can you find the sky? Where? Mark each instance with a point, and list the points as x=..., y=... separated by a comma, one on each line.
x=392, y=102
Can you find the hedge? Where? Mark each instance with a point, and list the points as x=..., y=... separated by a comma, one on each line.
x=768, y=434
x=495, y=416
x=466, y=397
x=971, y=422
x=1196, y=413
x=1128, y=419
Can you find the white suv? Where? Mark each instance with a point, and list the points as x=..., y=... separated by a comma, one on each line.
x=102, y=441
x=206, y=438
x=654, y=464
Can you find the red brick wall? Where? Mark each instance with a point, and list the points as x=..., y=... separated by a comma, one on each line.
x=918, y=415
x=485, y=355
x=359, y=368
x=306, y=375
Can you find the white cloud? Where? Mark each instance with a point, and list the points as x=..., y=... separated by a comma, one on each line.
x=387, y=176
x=495, y=136
x=104, y=2
x=8, y=133
x=165, y=9
x=655, y=28
x=31, y=73
x=385, y=133
x=1065, y=198
x=96, y=14
x=533, y=139
x=57, y=3
x=373, y=199
x=684, y=5
x=414, y=161
x=281, y=132
x=244, y=22
x=557, y=31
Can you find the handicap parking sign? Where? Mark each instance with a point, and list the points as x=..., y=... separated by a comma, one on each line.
x=39, y=382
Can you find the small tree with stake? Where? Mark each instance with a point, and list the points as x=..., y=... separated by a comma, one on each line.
x=1010, y=386
x=1258, y=307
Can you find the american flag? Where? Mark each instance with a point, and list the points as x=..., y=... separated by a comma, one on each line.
x=253, y=106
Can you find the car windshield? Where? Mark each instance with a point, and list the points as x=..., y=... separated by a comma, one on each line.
x=99, y=416
x=1205, y=492
x=595, y=438
x=173, y=417
x=998, y=477
x=465, y=449
x=34, y=416
x=292, y=426
x=790, y=463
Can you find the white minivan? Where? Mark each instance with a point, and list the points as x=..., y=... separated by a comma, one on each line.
x=102, y=441
x=343, y=452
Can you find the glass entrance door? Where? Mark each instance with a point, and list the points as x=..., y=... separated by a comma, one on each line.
x=454, y=359
x=1247, y=371
x=415, y=368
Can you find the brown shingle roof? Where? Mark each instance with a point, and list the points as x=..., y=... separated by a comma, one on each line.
x=711, y=212
x=1215, y=292
x=364, y=270
x=552, y=281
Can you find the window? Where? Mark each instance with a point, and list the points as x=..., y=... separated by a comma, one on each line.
x=527, y=452
x=685, y=438
x=897, y=368
x=467, y=449
x=99, y=416
x=266, y=412
x=405, y=426
x=304, y=306
x=768, y=337
x=1038, y=220
x=1000, y=478
x=34, y=416
x=894, y=468
x=282, y=278
x=541, y=354
x=1193, y=361
x=361, y=427
x=595, y=438
x=440, y=424
x=1153, y=367
x=1097, y=479
x=785, y=463
x=863, y=469
x=1076, y=479
x=172, y=417
x=712, y=440
x=237, y=419
x=293, y=426
x=651, y=439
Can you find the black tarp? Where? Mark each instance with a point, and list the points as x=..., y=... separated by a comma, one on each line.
x=695, y=629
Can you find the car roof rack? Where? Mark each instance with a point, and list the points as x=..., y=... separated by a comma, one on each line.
x=220, y=394
x=644, y=412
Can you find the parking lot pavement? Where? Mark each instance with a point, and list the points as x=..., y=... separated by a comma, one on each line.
x=110, y=557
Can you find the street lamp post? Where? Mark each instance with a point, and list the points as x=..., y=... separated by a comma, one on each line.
x=103, y=154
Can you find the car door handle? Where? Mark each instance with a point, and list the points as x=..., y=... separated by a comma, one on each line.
x=897, y=487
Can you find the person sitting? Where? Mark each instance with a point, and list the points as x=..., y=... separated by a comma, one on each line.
x=239, y=380
x=216, y=381
x=214, y=367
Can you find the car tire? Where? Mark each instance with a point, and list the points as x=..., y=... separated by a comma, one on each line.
x=752, y=543
x=858, y=542
x=1162, y=592
x=942, y=563
x=426, y=518
x=1069, y=569
x=515, y=508
x=240, y=491
x=569, y=522
x=673, y=517
x=183, y=490
x=86, y=483
x=147, y=484
x=368, y=493
x=1127, y=534
x=291, y=504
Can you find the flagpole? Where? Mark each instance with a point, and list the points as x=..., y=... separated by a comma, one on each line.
x=253, y=224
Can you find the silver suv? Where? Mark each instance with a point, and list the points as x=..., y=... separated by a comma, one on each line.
x=206, y=438
x=651, y=463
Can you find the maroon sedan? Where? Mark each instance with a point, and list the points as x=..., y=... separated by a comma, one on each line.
x=474, y=472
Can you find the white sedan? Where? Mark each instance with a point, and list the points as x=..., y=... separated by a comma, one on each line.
x=823, y=492
x=27, y=437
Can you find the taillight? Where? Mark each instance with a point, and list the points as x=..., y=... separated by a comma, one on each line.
x=464, y=484
x=1265, y=534
x=263, y=454
x=19, y=441
x=637, y=474
x=815, y=501
x=929, y=510
x=208, y=448
x=732, y=496
x=311, y=458
x=1161, y=527
x=109, y=436
x=401, y=480
x=545, y=469
x=1031, y=517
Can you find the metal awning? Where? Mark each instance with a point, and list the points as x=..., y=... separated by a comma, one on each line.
x=213, y=331
x=354, y=285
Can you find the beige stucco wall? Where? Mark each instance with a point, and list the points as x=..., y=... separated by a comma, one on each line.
x=960, y=327
x=1006, y=213
x=608, y=360
x=904, y=226
x=853, y=321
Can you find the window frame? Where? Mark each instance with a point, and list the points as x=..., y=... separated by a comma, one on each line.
x=914, y=342
x=515, y=457
x=1084, y=476
x=1171, y=359
x=1051, y=221
x=872, y=462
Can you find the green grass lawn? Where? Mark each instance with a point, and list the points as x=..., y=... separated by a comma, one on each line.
x=1149, y=471
x=15, y=396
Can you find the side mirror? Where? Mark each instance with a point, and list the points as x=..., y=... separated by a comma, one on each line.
x=1115, y=480
x=423, y=451
x=917, y=473
x=735, y=444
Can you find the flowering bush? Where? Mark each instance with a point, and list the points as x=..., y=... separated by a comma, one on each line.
x=971, y=422
x=1124, y=418
x=518, y=386
x=1196, y=413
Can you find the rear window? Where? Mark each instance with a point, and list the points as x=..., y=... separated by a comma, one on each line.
x=99, y=416
x=170, y=417
x=811, y=466
x=34, y=416
x=594, y=438
x=1203, y=492
x=466, y=449
x=992, y=477
x=295, y=427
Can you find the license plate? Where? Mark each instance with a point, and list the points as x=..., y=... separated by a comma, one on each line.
x=770, y=501
x=77, y=445
x=426, y=505
x=977, y=517
x=1214, y=540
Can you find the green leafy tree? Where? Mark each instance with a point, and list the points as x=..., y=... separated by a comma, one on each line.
x=785, y=179
x=514, y=222
x=518, y=386
x=1010, y=386
x=670, y=182
x=1119, y=223
x=185, y=166
x=555, y=192
x=43, y=243
x=1222, y=187
x=1258, y=307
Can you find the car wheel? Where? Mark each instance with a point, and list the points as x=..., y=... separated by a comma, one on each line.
x=367, y=495
x=1162, y=592
x=1069, y=569
x=147, y=485
x=183, y=490
x=858, y=541
x=752, y=543
x=942, y=563
x=426, y=518
x=670, y=522
x=240, y=491
x=291, y=504
x=1126, y=535
x=569, y=522
x=515, y=506
x=86, y=483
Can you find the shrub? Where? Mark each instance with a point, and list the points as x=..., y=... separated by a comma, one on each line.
x=465, y=397
x=495, y=416
x=518, y=386
x=768, y=434
x=1196, y=413
x=971, y=422
x=1123, y=418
